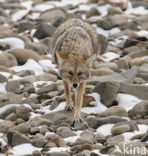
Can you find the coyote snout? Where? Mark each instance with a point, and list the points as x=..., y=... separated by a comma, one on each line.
x=75, y=46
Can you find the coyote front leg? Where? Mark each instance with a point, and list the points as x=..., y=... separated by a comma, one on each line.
x=79, y=101
x=69, y=105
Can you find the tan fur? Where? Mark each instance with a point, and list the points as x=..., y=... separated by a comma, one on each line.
x=75, y=46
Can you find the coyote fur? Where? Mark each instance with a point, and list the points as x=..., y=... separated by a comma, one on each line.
x=74, y=47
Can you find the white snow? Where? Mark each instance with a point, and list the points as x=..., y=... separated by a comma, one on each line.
x=98, y=108
x=47, y=64
x=59, y=149
x=60, y=107
x=142, y=129
x=1, y=121
x=3, y=87
x=2, y=143
x=7, y=75
x=107, y=33
x=105, y=129
x=19, y=15
x=43, y=7
x=138, y=10
x=13, y=42
x=142, y=33
x=24, y=149
x=38, y=83
x=127, y=101
x=71, y=139
x=4, y=108
x=23, y=12
x=30, y=64
x=108, y=56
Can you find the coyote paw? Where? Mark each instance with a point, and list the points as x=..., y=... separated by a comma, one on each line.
x=77, y=120
x=69, y=108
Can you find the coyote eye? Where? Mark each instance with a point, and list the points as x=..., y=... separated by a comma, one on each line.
x=70, y=73
x=80, y=74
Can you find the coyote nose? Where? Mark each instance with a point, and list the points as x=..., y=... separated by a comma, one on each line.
x=75, y=85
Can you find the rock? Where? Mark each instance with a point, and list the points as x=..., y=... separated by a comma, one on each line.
x=7, y=60
x=52, y=15
x=15, y=138
x=144, y=68
x=86, y=100
x=7, y=112
x=44, y=30
x=22, y=55
x=23, y=112
x=84, y=153
x=5, y=69
x=11, y=117
x=113, y=10
x=34, y=130
x=13, y=86
x=58, y=154
x=65, y=132
x=22, y=128
x=43, y=129
x=9, y=98
x=103, y=43
x=109, y=22
x=80, y=148
x=138, y=53
x=38, y=47
x=133, y=50
x=38, y=121
x=88, y=134
x=127, y=76
x=108, y=65
x=138, y=90
x=36, y=153
x=3, y=78
x=114, y=111
x=42, y=77
x=123, y=127
x=49, y=88
x=39, y=141
x=99, y=121
x=58, y=141
x=119, y=3
x=50, y=145
x=62, y=116
x=25, y=73
x=108, y=91
x=102, y=72
x=140, y=109
x=123, y=63
x=115, y=139
x=5, y=126
x=93, y=12
x=140, y=3
x=100, y=138
x=25, y=25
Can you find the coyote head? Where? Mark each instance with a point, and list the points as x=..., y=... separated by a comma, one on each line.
x=74, y=69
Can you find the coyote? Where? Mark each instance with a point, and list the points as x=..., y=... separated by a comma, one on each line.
x=74, y=47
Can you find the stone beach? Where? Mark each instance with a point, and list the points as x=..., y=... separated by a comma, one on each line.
x=33, y=121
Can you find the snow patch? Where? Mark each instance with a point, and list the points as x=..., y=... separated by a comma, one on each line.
x=13, y=42
x=127, y=101
x=24, y=149
x=98, y=108
x=30, y=64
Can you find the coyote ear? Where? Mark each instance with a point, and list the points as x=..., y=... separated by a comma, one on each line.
x=89, y=59
x=61, y=56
